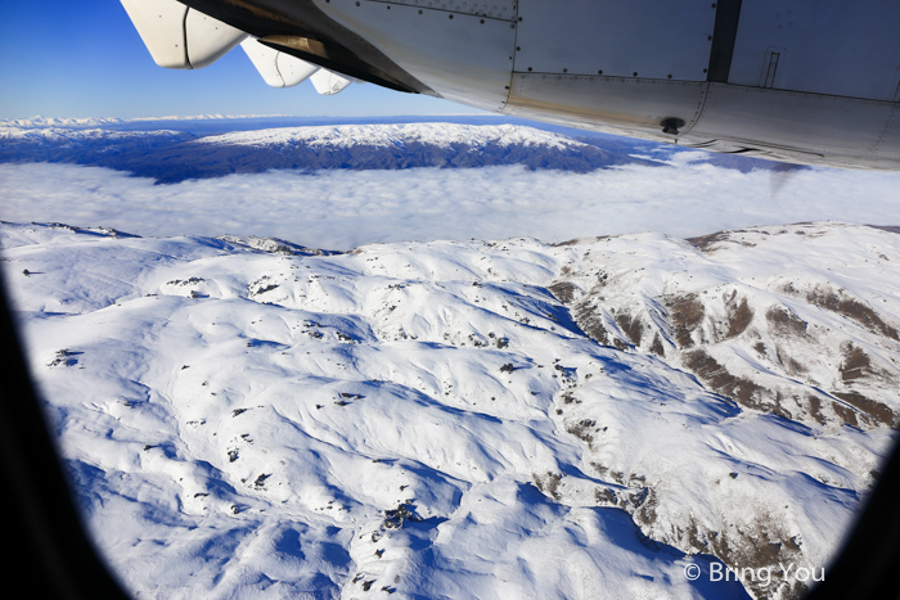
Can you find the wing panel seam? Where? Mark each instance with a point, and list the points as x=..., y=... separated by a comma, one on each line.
x=728, y=14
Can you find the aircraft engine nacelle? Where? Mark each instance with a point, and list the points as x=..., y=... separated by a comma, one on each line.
x=179, y=37
x=799, y=80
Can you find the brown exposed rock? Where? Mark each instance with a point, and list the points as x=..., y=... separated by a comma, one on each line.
x=575, y=241
x=600, y=469
x=845, y=413
x=815, y=409
x=783, y=321
x=591, y=322
x=563, y=291
x=605, y=497
x=568, y=398
x=705, y=243
x=549, y=484
x=583, y=430
x=856, y=364
x=825, y=297
x=686, y=313
x=571, y=242
x=632, y=326
x=762, y=545
x=791, y=366
x=657, y=346
x=879, y=412
x=646, y=514
x=739, y=316
x=890, y=228
x=740, y=389
x=767, y=547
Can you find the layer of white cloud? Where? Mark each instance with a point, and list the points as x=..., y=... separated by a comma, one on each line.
x=344, y=209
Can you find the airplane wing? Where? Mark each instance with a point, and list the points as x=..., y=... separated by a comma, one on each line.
x=180, y=37
x=808, y=82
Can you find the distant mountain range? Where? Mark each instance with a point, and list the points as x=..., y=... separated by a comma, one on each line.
x=74, y=122
x=175, y=149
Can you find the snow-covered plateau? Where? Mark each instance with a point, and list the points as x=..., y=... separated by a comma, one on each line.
x=443, y=135
x=617, y=417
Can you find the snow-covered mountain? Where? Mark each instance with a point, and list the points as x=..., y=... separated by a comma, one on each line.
x=246, y=417
x=814, y=342
x=81, y=138
x=180, y=151
x=38, y=122
x=81, y=145
x=404, y=136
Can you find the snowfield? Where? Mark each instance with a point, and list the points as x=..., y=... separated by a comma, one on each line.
x=248, y=418
x=442, y=135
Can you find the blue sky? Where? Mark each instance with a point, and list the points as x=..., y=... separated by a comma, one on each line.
x=85, y=59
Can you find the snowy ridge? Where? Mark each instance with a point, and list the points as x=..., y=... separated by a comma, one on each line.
x=249, y=416
x=41, y=122
x=82, y=137
x=814, y=342
x=209, y=117
x=443, y=135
